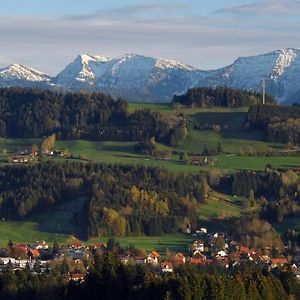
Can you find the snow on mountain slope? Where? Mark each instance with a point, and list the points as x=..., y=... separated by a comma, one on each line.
x=17, y=72
x=280, y=69
x=140, y=78
x=82, y=71
x=133, y=77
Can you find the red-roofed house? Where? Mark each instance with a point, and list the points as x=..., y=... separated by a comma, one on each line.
x=178, y=259
x=278, y=262
x=167, y=267
x=34, y=253
x=77, y=277
x=153, y=258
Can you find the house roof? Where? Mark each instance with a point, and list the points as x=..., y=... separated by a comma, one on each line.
x=166, y=265
x=155, y=254
x=35, y=253
x=244, y=250
x=279, y=261
x=180, y=255
x=198, y=158
x=197, y=261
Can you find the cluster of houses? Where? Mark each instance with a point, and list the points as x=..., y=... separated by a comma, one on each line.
x=206, y=249
x=28, y=156
x=220, y=250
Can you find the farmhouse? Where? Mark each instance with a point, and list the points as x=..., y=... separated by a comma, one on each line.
x=199, y=160
x=153, y=258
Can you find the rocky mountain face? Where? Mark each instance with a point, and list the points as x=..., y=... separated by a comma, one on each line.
x=139, y=78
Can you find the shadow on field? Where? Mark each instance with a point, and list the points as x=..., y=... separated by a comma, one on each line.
x=70, y=217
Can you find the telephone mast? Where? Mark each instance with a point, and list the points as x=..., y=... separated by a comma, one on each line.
x=264, y=91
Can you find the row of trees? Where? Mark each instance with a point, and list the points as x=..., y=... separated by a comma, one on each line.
x=220, y=96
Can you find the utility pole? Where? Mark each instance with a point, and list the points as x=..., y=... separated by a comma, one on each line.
x=264, y=91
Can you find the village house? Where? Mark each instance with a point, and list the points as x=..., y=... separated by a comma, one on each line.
x=221, y=254
x=198, y=245
x=34, y=253
x=153, y=258
x=278, y=262
x=198, y=261
x=20, y=159
x=201, y=231
x=199, y=160
x=178, y=259
x=167, y=267
x=41, y=245
x=77, y=277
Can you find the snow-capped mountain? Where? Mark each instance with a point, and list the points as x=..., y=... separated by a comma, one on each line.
x=140, y=78
x=133, y=77
x=280, y=69
x=19, y=75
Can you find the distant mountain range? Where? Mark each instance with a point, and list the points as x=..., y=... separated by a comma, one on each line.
x=147, y=79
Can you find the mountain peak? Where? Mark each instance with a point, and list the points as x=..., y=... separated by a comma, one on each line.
x=21, y=72
x=86, y=58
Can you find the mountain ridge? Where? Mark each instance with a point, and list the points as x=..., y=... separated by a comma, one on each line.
x=136, y=77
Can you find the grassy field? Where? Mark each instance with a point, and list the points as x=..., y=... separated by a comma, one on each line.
x=30, y=232
x=169, y=242
x=123, y=152
x=232, y=137
x=27, y=232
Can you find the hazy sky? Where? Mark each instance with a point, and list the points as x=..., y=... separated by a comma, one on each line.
x=48, y=34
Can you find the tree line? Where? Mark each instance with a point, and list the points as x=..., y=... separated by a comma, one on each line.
x=206, y=97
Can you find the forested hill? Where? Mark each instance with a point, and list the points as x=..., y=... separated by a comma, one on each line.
x=120, y=199
x=220, y=97
x=282, y=123
x=27, y=113
x=123, y=200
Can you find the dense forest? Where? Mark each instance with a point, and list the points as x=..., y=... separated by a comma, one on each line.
x=206, y=97
x=121, y=199
x=282, y=123
x=278, y=193
x=27, y=113
x=108, y=278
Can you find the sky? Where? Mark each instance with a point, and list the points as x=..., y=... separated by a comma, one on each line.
x=208, y=34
